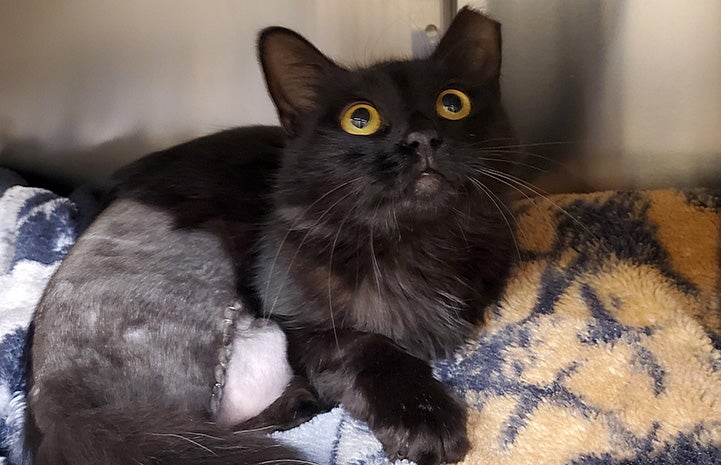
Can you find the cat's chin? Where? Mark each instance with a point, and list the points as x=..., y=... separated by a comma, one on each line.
x=426, y=197
x=427, y=184
x=427, y=189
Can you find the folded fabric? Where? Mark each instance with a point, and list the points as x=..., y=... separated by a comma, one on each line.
x=600, y=351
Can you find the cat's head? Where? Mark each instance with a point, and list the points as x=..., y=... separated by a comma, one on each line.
x=396, y=142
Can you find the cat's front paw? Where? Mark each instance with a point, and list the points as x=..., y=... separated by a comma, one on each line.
x=424, y=424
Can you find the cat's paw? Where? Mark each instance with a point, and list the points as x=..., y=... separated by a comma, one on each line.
x=298, y=404
x=424, y=424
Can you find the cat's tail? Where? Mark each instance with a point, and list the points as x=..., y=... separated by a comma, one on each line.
x=100, y=437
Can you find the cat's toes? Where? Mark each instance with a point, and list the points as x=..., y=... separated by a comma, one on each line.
x=429, y=432
x=302, y=409
x=429, y=447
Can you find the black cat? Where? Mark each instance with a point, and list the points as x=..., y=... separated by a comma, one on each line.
x=375, y=228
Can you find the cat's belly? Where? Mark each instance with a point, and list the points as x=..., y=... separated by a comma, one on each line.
x=257, y=372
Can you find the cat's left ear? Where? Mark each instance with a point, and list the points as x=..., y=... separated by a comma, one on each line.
x=472, y=45
x=294, y=70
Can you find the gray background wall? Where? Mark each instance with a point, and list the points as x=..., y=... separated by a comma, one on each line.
x=631, y=90
x=87, y=85
x=633, y=86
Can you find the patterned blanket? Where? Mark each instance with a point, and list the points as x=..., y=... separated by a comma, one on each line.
x=37, y=229
x=604, y=349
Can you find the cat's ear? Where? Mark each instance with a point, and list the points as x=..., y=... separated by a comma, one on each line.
x=293, y=70
x=472, y=45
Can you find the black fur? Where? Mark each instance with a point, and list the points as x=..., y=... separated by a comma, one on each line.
x=372, y=269
x=372, y=272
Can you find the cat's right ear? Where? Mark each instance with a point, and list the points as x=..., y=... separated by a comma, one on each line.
x=472, y=45
x=293, y=70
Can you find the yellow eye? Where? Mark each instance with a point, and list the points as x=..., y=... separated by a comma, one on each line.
x=453, y=104
x=360, y=119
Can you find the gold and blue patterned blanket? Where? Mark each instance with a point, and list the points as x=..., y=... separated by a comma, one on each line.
x=605, y=347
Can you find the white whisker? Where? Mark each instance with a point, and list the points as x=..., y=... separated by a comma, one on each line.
x=491, y=196
x=180, y=436
x=498, y=175
x=292, y=226
x=297, y=251
x=376, y=268
x=330, y=277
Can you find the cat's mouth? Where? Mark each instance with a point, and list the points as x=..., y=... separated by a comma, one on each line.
x=425, y=194
x=427, y=183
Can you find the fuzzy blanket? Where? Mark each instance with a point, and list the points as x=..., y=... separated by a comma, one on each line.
x=604, y=349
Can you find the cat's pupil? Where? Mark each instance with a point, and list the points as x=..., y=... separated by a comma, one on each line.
x=360, y=117
x=452, y=103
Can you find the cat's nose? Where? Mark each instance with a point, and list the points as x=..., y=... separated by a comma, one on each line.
x=423, y=140
x=424, y=145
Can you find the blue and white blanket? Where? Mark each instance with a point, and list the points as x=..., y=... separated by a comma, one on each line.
x=604, y=349
x=37, y=229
